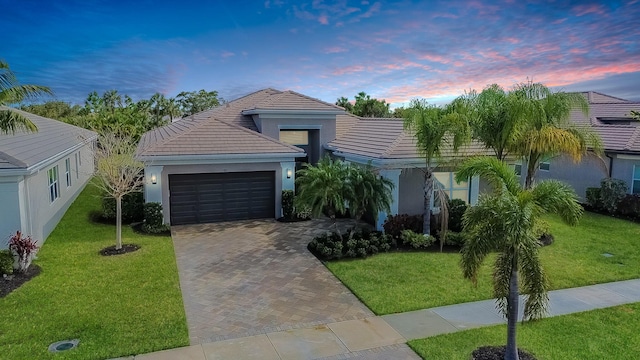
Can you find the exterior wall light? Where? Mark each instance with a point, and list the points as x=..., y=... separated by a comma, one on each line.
x=289, y=173
x=154, y=180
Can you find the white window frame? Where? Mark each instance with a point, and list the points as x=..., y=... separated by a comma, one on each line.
x=54, y=185
x=547, y=163
x=634, y=179
x=67, y=171
x=449, y=189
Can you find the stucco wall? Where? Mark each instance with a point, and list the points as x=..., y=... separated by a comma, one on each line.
x=10, y=215
x=623, y=169
x=218, y=168
x=411, y=192
x=580, y=176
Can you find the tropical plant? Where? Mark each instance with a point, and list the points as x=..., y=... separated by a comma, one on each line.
x=344, y=103
x=365, y=106
x=23, y=247
x=12, y=92
x=118, y=173
x=504, y=222
x=635, y=114
x=546, y=131
x=322, y=187
x=435, y=129
x=367, y=192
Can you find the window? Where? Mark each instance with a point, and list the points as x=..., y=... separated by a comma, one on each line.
x=77, y=167
x=294, y=137
x=635, y=187
x=54, y=187
x=80, y=157
x=545, y=165
x=67, y=171
x=454, y=190
x=517, y=168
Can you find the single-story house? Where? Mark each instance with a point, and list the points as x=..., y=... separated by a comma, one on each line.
x=609, y=117
x=41, y=174
x=232, y=162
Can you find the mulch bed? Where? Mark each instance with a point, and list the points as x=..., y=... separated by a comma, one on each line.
x=497, y=353
x=15, y=280
x=126, y=248
x=291, y=220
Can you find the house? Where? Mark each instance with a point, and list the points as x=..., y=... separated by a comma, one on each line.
x=609, y=117
x=232, y=162
x=41, y=174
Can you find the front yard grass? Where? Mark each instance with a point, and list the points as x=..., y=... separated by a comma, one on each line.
x=116, y=306
x=598, y=334
x=405, y=281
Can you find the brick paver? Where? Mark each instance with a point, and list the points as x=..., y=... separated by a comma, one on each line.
x=252, y=277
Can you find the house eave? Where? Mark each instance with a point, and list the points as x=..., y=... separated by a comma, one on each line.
x=292, y=112
x=219, y=158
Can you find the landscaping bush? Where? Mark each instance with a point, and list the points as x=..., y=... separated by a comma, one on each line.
x=395, y=224
x=24, y=248
x=629, y=206
x=454, y=238
x=415, y=240
x=287, y=204
x=457, y=207
x=611, y=192
x=593, y=198
x=6, y=262
x=132, y=208
x=303, y=212
x=153, y=219
x=353, y=244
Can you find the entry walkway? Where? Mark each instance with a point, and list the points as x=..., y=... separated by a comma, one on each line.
x=383, y=337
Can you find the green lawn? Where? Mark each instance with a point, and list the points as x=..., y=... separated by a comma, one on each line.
x=398, y=282
x=116, y=306
x=599, y=334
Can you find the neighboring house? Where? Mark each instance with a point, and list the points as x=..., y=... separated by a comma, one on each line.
x=608, y=117
x=232, y=162
x=41, y=174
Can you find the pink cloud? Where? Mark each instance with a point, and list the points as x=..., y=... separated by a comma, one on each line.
x=348, y=70
x=323, y=19
x=581, y=10
x=335, y=50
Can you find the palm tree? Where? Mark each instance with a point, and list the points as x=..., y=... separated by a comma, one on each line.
x=12, y=92
x=547, y=131
x=322, y=188
x=368, y=192
x=434, y=129
x=503, y=222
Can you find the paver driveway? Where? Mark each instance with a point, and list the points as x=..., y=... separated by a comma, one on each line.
x=252, y=277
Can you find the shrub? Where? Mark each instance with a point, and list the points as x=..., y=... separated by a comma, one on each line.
x=23, y=247
x=6, y=262
x=417, y=241
x=394, y=225
x=303, y=212
x=132, y=208
x=611, y=192
x=593, y=198
x=457, y=207
x=629, y=206
x=153, y=218
x=454, y=238
x=287, y=204
x=354, y=244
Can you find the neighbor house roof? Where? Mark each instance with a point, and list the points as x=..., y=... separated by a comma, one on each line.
x=23, y=150
x=385, y=138
x=291, y=100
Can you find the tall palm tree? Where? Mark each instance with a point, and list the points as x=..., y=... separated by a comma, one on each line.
x=547, y=131
x=323, y=187
x=435, y=129
x=503, y=222
x=12, y=92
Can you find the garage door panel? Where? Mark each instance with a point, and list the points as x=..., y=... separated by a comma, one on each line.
x=203, y=198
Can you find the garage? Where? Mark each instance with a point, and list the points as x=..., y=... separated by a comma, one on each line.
x=216, y=197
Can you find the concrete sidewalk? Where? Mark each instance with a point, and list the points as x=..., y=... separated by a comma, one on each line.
x=383, y=337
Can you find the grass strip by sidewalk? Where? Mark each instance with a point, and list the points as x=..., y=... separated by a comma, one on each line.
x=116, y=306
x=399, y=282
x=610, y=333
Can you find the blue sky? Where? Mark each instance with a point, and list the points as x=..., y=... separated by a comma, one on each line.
x=393, y=50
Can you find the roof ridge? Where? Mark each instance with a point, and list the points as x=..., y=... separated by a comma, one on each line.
x=12, y=160
x=187, y=128
x=314, y=99
x=607, y=95
x=249, y=131
x=632, y=139
x=394, y=144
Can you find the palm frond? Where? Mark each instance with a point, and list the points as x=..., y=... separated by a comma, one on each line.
x=501, y=276
x=497, y=173
x=553, y=196
x=12, y=121
x=534, y=281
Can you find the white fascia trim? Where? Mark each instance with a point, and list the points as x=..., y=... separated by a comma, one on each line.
x=382, y=163
x=627, y=157
x=292, y=112
x=299, y=127
x=46, y=162
x=219, y=159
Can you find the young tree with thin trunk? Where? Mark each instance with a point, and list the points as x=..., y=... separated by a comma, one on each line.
x=435, y=129
x=503, y=222
x=118, y=173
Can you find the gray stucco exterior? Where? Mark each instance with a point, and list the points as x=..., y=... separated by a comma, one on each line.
x=580, y=176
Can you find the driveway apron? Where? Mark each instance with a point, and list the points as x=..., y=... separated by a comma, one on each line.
x=257, y=276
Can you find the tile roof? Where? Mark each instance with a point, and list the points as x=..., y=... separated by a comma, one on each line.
x=24, y=149
x=595, y=97
x=291, y=100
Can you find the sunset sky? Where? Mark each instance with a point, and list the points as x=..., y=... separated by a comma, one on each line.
x=393, y=50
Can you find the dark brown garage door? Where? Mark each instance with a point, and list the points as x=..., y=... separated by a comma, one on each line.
x=206, y=198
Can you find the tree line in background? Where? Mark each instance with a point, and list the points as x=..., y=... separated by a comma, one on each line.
x=115, y=113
